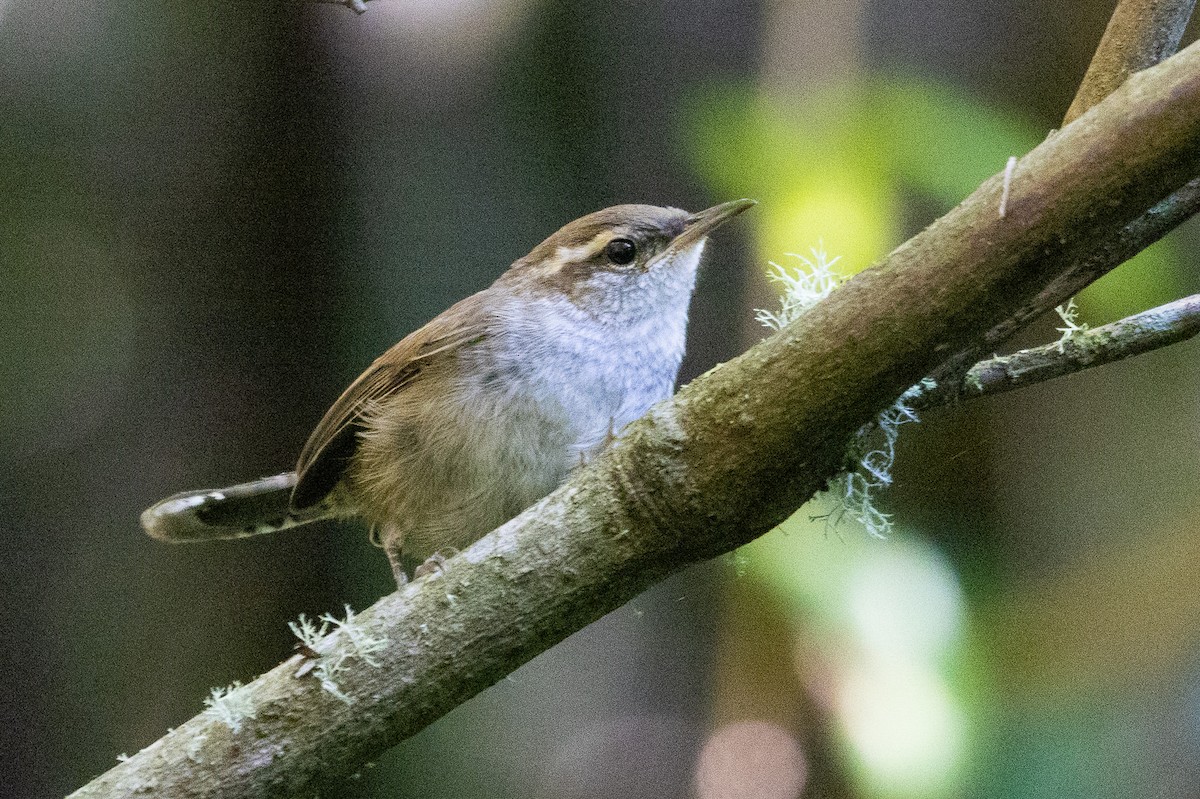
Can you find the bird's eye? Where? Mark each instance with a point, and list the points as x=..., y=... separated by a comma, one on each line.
x=620, y=251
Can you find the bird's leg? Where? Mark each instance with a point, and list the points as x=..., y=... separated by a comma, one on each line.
x=398, y=570
x=392, y=542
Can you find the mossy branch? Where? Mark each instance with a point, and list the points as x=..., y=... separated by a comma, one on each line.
x=1150, y=330
x=728, y=458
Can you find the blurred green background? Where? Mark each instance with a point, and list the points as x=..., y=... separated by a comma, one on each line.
x=213, y=215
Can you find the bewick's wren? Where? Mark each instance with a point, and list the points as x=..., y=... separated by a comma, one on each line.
x=486, y=409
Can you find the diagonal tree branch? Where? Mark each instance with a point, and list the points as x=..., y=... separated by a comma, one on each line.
x=1108, y=252
x=732, y=455
x=1140, y=34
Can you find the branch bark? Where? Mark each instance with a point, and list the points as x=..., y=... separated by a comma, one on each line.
x=1140, y=34
x=1150, y=330
x=732, y=455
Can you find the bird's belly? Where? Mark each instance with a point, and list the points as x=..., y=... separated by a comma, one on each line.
x=439, y=475
x=445, y=478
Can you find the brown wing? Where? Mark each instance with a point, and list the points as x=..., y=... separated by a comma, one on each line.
x=332, y=444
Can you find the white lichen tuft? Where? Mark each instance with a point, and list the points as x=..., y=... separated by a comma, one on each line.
x=231, y=705
x=1069, y=313
x=853, y=493
x=359, y=643
x=307, y=631
x=803, y=286
x=354, y=641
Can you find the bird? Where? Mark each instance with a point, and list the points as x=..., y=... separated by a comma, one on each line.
x=477, y=415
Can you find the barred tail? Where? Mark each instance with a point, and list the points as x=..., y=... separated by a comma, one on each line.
x=253, y=508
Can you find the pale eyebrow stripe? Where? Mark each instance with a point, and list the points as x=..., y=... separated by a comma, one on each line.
x=565, y=255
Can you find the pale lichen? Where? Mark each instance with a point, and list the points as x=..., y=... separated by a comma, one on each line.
x=353, y=641
x=307, y=631
x=1069, y=313
x=853, y=492
x=195, y=746
x=803, y=286
x=231, y=705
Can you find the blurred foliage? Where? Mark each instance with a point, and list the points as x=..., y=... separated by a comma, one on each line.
x=880, y=640
x=841, y=165
x=922, y=706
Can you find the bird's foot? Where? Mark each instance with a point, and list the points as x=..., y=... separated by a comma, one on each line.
x=434, y=564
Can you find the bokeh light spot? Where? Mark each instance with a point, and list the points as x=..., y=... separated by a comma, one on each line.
x=904, y=727
x=907, y=605
x=750, y=760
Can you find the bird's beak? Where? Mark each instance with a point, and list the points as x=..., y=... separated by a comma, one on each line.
x=701, y=223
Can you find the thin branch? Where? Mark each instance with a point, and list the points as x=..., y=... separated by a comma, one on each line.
x=728, y=458
x=1150, y=330
x=1108, y=252
x=1140, y=34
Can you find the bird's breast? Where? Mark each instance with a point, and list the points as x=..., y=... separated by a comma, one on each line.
x=593, y=379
